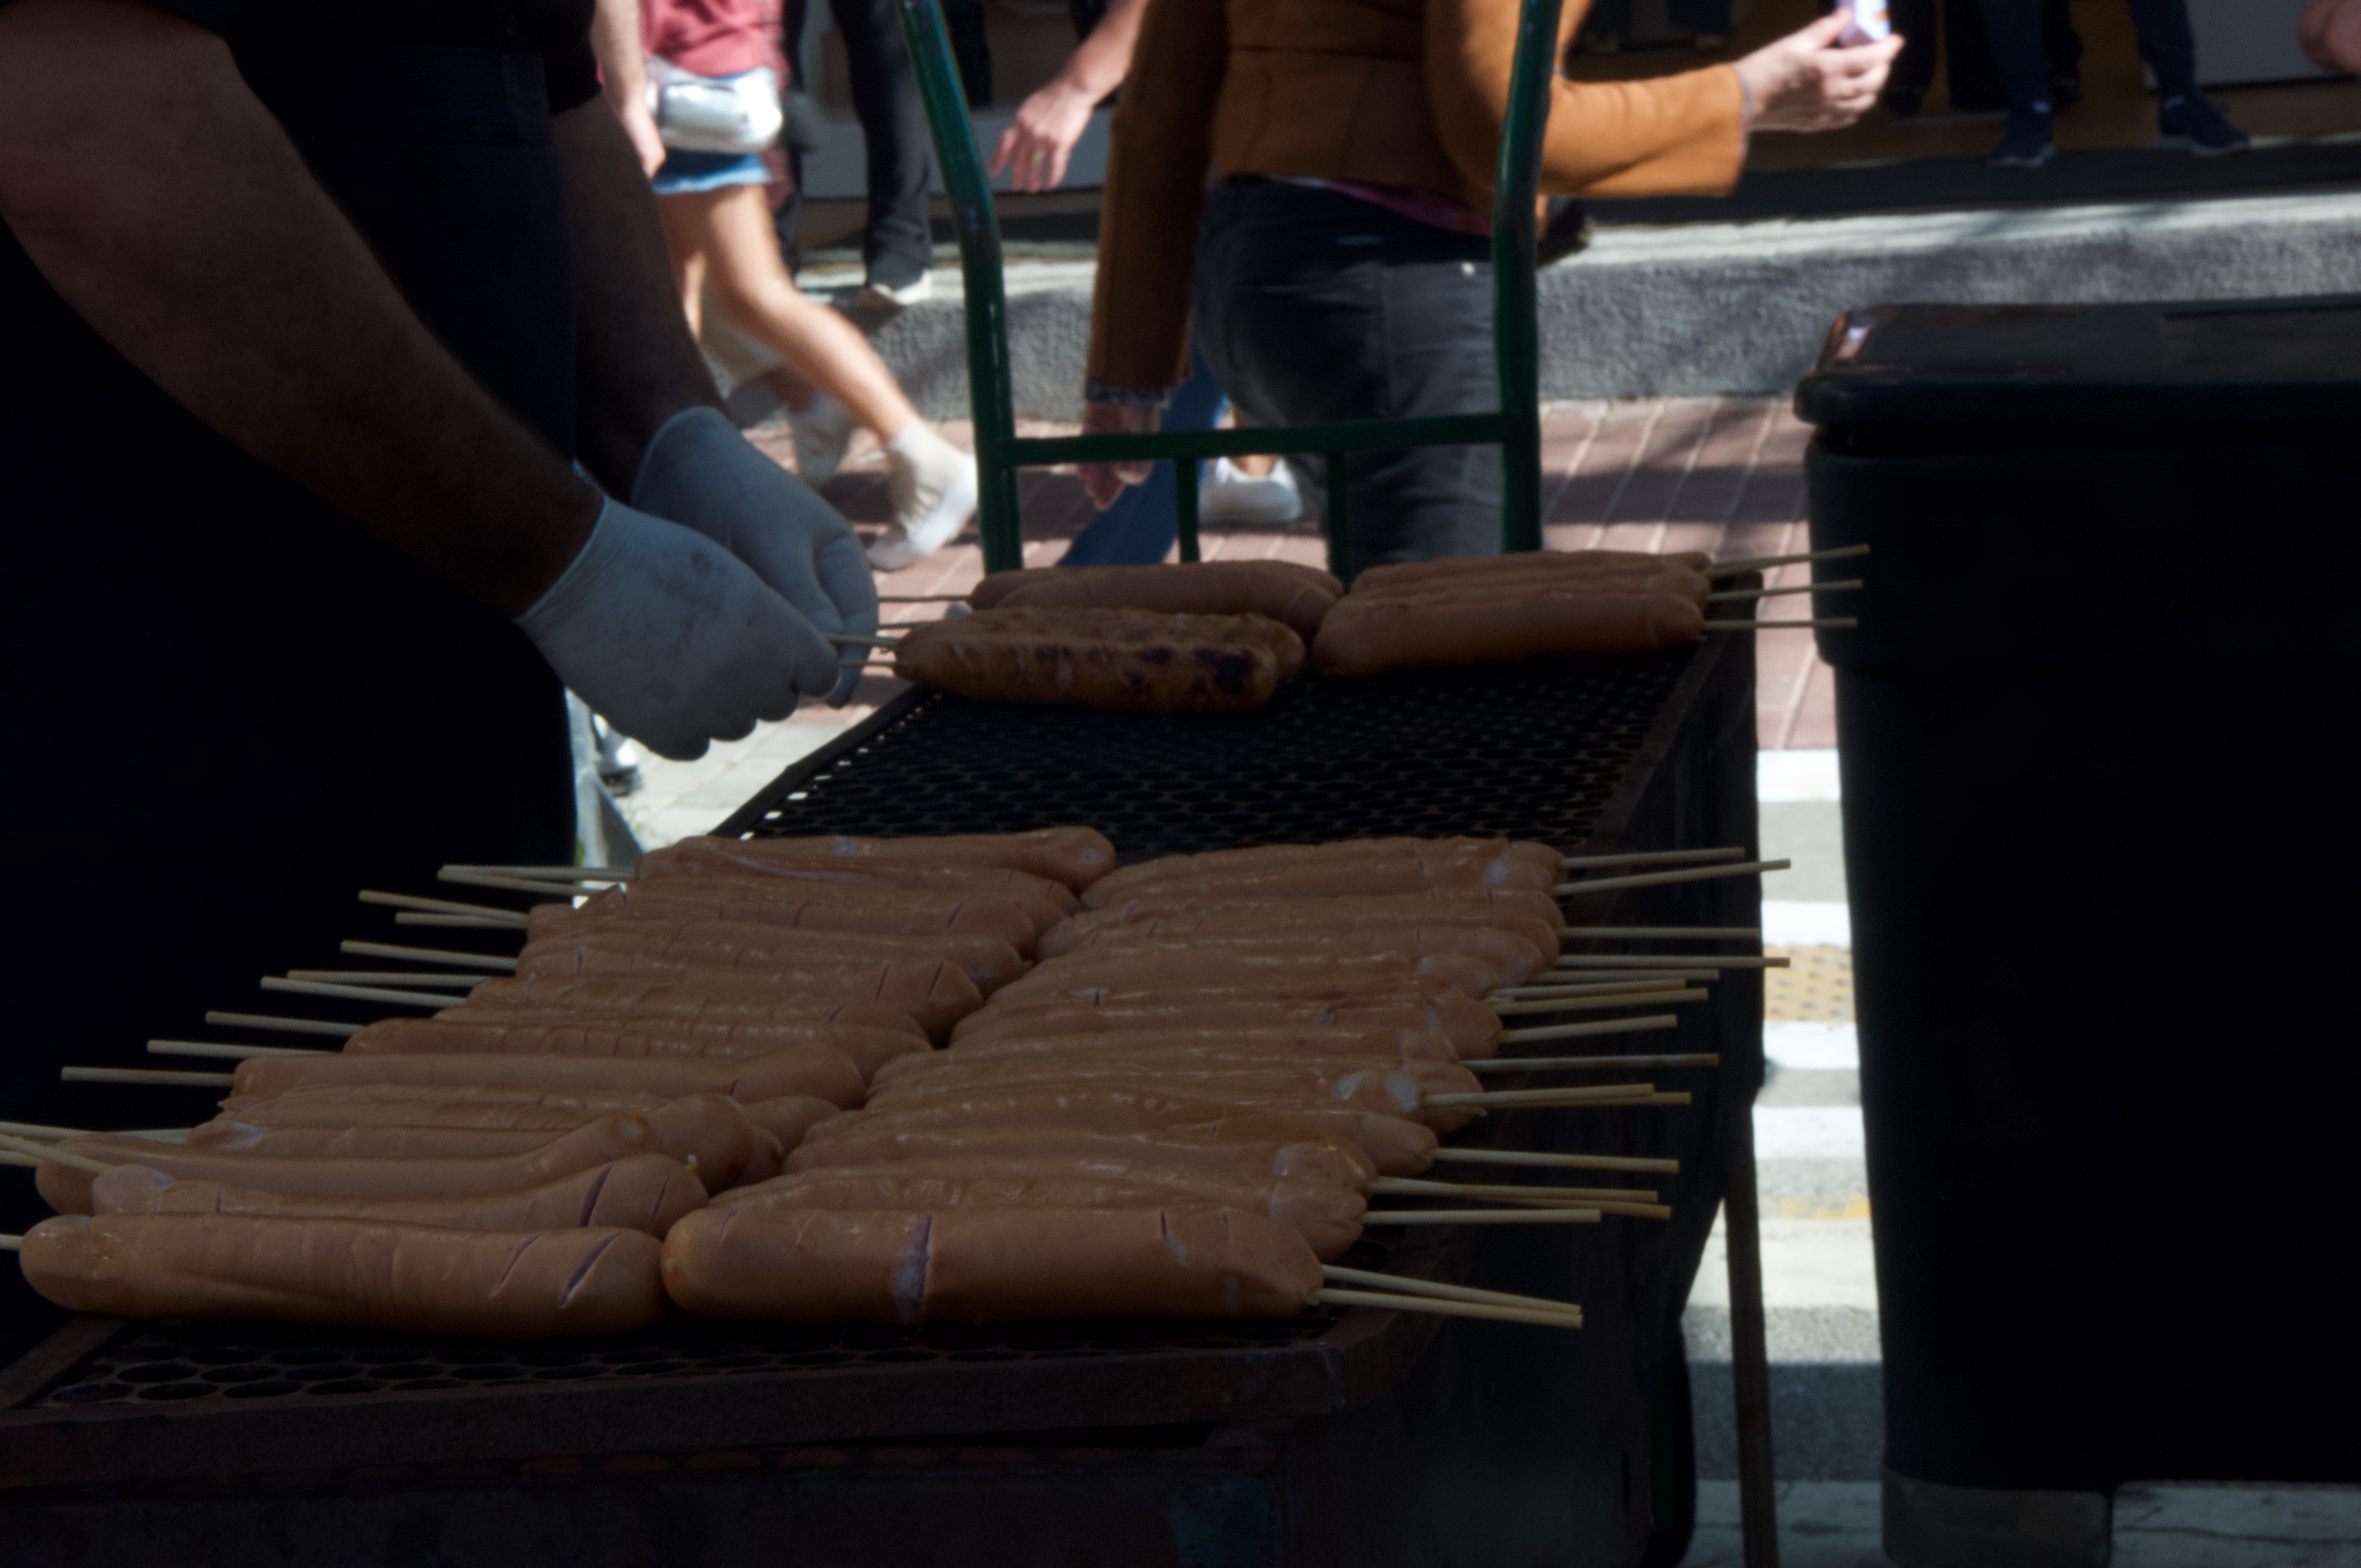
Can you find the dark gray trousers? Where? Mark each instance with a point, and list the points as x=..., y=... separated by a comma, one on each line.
x=1312, y=306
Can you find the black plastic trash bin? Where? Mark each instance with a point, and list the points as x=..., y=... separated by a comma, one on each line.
x=2099, y=826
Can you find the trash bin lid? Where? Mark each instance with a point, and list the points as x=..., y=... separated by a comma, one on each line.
x=2240, y=362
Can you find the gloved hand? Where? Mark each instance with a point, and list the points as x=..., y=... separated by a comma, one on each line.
x=700, y=473
x=674, y=640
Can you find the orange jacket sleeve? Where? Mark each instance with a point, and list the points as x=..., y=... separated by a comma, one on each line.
x=1669, y=135
x=1158, y=159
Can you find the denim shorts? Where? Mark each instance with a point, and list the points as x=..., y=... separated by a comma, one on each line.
x=685, y=171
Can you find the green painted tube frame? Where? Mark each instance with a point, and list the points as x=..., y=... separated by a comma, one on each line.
x=1515, y=427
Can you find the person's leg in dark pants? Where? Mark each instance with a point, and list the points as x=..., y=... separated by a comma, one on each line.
x=2184, y=117
x=1913, y=68
x=1313, y=306
x=2063, y=45
x=899, y=245
x=2013, y=28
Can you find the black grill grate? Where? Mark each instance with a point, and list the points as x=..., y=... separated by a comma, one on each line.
x=179, y=1364
x=1533, y=749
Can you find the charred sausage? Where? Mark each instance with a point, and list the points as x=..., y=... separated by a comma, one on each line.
x=1127, y=660
x=1297, y=596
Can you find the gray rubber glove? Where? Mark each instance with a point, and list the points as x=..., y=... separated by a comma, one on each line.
x=673, y=640
x=700, y=473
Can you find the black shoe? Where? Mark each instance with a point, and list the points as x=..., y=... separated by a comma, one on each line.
x=2189, y=121
x=2028, y=143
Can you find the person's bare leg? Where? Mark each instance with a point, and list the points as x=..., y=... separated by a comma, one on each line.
x=732, y=227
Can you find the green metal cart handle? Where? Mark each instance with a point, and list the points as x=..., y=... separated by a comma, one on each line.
x=1515, y=427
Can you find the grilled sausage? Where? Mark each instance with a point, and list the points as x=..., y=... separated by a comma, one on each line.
x=1075, y=857
x=1422, y=1005
x=934, y=994
x=707, y=1131
x=1402, y=1044
x=646, y=1192
x=1219, y=864
x=1051, y=623
x=1113, y=1154
x=1678, y=581
x=352, y=1273
x=610, y=1138
x=1325, y=1214
x=1448, y=632
x=834, y=1266
x=1207, y=1070
x=1524, y=567
x=1295, y=597
x=426, y=1051
x=743, y=1002
x=988, y=961
x=663, y=1038
x=726, y=859
x=1510, y=958
x=1129, y=659
x=788, y=906
x=1371, y=877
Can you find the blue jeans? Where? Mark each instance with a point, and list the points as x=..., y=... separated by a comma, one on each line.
x=1141, y=526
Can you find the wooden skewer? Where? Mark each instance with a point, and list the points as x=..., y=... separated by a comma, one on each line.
x=1651, y=857
x=555, y=873
x=1387, y=1299
x=1666, y=961
x=426, y=955
x=1580, y=1031
x=1407, y=1286
x=1571, y=1095
x=355, y=992
x=371, y=977
x=1629, y=1205
x=456, y=922
x=1641, y=933
x=230, y=1053
x=283, y=1025
x=483, y=911
x=10, y=1156
x=1592, y=1004
x=1829, y=623
x=857, y=640
x=35, y=1130
x=1657, y=879
x=507, y=884
x=1558, y=1161
x=1576, y=1197
x=1552, y=1216
x=66, y=1157
x=146, y=1075
x=11, y=1243
x=1756, y=563
x=1589, y=987
x=1849, y=583
x=1584, y=1064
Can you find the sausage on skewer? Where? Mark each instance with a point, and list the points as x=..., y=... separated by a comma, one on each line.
x=989, y=961
x=1135, y=661
x=429, y=1051
x=932, y=993
x=800, y=907
x=646, y=1192
x=1073, y=856
x=1295, y=595
x=357, y=1273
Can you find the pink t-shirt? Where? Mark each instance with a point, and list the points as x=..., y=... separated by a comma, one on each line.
x=713, y=37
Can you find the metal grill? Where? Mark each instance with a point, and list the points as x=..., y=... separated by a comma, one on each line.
x=177, y=1363
x=1533, y=749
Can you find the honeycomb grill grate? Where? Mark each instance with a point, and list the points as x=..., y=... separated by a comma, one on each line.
x=180, y=1363
x=1534, y=751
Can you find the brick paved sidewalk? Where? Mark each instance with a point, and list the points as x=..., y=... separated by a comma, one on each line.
x=1720, y=475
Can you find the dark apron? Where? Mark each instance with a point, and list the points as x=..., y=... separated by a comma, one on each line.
x=228, y=710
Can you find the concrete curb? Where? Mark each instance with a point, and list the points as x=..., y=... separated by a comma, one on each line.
x=1740, y=308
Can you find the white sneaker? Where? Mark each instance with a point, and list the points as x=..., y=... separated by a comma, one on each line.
x=872, y=293
x=822, y=432
x=1234, y=496
x=933, y=487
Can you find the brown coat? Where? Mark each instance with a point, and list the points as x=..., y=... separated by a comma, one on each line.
x=1379, y=92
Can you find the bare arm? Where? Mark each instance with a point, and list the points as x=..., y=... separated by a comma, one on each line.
x=637, y=365
x=1042, y=134
x=623, y=75
x=192, y=239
